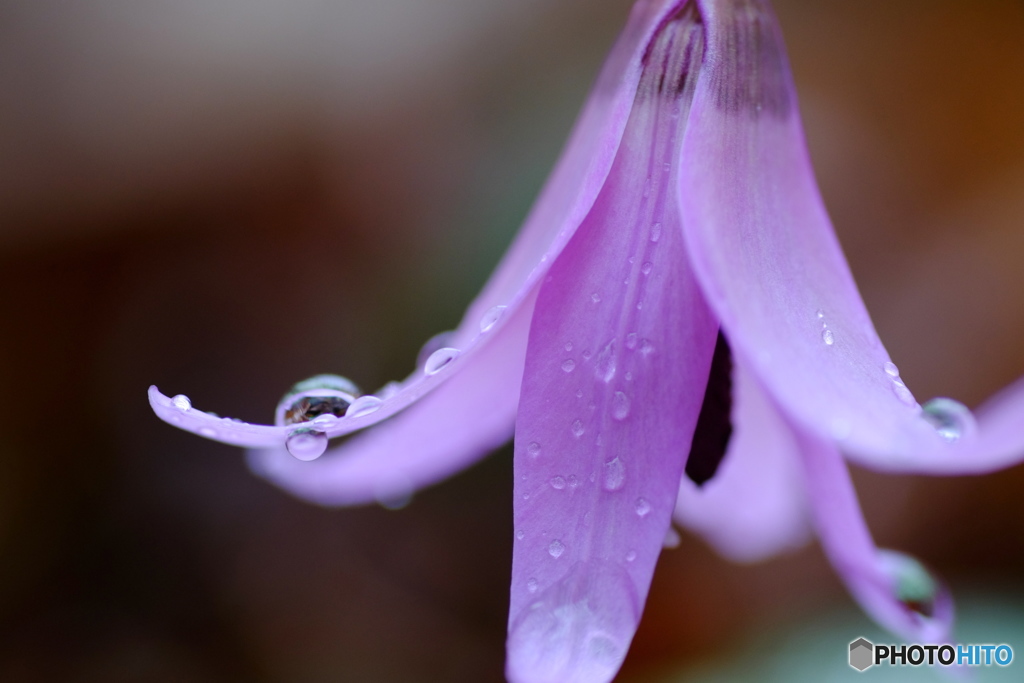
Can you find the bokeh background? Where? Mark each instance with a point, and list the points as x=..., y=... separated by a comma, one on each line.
x=224, y=197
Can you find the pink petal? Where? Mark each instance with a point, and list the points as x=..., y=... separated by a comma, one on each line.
x=770, y=265
x=451, y=428
x=874, y=577
x=619, y=354
x=755, y=506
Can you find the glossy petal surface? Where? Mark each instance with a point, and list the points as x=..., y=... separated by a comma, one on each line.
x=618, y=356
x=756, y=505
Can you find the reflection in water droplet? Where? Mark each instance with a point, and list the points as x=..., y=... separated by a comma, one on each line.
x=326, y=421
x=656, y=232
x=568, y=365
x=630, y=556
x=891, y=369
x=647, y=268
x=951, y=419
x=643, y=508
x=557, y=483
x=614, y=475
x=672, y=539
x=306, y=444
x=491, y=318
x=556, y=548
x=828, y=337
x=364, y=405
x=182, y=403
x=577, y=428
x=531, y=585
x=533, y=450
x=620, y=406
x=439, y=359
x=604, y=369
x=915, y=586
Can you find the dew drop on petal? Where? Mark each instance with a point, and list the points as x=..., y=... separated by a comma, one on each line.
x=558, y=483
x=587, y=355
x=439, y=359
x=891, y=369
x=491, y=318
x=364, y=405
x=577, y=428
x=630, y=556
x=915, y=586
x=573, y=482
x=533, y=450
x=951, y=419
x=568, y=365
x=647, y=268
x=643, y=508
x=828, y=337
x=568, y=346
x=620, y=406
x=631, y=340
x=646, y=347
x=306, y=444
x=520, y=535
x=182, y=403
x=579, y=393
x=614, y=475
x=903, y=393
x=656, y=232
x=556, y=548
x=208, y=432
x=604, y=369
x=672, y=539
x=820, y=313
x=595, y=297
x=327, y=420
x=531, y=585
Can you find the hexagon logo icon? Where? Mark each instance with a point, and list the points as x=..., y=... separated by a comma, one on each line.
x=861, y=654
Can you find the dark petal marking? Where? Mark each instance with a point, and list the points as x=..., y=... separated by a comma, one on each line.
x=714, y=426
x=751, y=76
x=680, y=48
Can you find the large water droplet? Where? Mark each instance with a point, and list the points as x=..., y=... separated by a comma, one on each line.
x=306, y=444
x=952, y=420
x=439, y=359
x=533, y=450
x=577, y=428
x=364, y=405
x=620, y=406
x=568, y=365
x=828, y=337
x=182, y=403
x=556, y=548
x=491, y=318
x=604, y=368
x=558, y=483
x=643, y=508
x=316, y=396
x=614, y=475
x=326, y=421
x=891, y=369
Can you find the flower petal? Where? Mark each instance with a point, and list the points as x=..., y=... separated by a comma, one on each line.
x=770, y=265
x=471, y=414
x=893, y=588
x=756, y=505
x=619, y=354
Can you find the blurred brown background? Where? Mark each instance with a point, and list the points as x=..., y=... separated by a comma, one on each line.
x=225, y=197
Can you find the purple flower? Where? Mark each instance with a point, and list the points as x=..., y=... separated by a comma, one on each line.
x=676, y=295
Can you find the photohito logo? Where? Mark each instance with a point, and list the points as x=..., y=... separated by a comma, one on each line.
x=864, y=654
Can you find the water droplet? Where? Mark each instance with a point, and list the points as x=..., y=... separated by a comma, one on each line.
x=389, y=390
x=182, y=403
x=556, y=548
x=646, y=347
x=639, y=305
x=604, y=369
x=902, y=392
x=208, y=432
x=643, y=508
x=326, y=421
x=568, y=365
x=491, y=318
x=614, y=475
x=316, y=396
x=656, y=232
x=951, y=419
x=531, y=585
x=520, y=534
x=306, y=444
x=533, y=450
x=587, y=354
x=558, y=483
x=631, y=340
x=620, y=406
x=568, y=346
x=672, y=538
x=891, y=369
x=579, y=393
x=577, y=428
x=439, y=359
x=630, y=556
x=573, y=482
x=915, y=586
x=629, y=376
x=595, y=297
x=364, y=405
x=631, y=260
x=647, y=268
x=828, y=337
x=820, y=313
